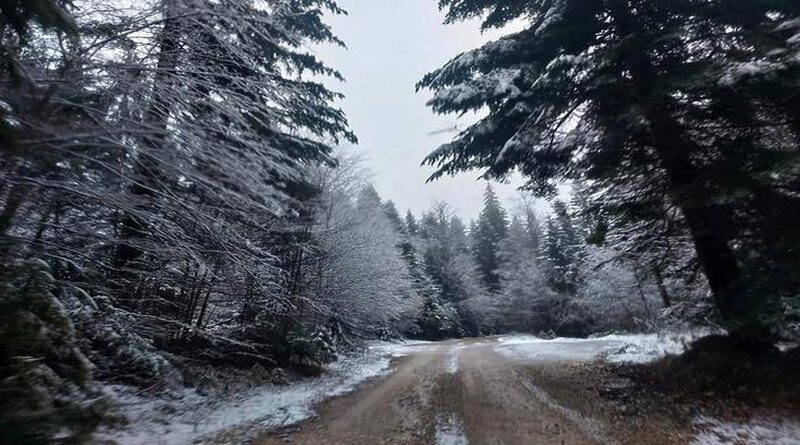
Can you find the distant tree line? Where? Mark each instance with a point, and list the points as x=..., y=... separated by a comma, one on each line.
x=542, y=274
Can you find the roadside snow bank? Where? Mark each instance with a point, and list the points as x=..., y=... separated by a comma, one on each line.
x=629, y=348
x=190, y=417
x=755, y=432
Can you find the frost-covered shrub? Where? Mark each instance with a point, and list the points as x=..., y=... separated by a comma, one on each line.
x=118, y=352
x=46, y=386
x=311, y=351
x=438, y=320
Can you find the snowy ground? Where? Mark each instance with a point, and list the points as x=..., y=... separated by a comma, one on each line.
x=450, y=431
x=189, y=417
x=629, y=348
x=758, y=431
x=646, y=348
x=451, y=365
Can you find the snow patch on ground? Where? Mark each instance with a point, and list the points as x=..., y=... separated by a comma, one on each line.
x=755, y=432
x=629, y=348
x=189, y=417
x=451, y=365
x=450, y=431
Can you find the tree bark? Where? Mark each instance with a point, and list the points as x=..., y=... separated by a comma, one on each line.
x=147, y=171
x=662, y=290
x=16, y=196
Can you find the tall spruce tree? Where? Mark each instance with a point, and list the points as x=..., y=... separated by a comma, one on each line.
x=561, y=249
x=490, y=228
x=411, y=224
x=685, y=100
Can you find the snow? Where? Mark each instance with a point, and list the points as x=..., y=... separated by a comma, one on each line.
x=628, y=348
x=189, y=417
x=499, y=82
x=450, y=431
x=552, y=16
x=773, y=431
x=737, y=72
x=451, y=365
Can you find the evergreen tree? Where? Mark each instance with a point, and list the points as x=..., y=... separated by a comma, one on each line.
x=447, y=258
x=526, y=299
x=532, y=227
x=411, y=224
x=394, y=216
x=561, y=249
x=686, y=100
x=490, y=228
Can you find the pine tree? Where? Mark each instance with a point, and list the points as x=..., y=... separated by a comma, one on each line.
x=687, y=101
x=20, y=96
x=447, y=258
x=411, y=224
x=525, y=294
x=491, y=227
x=562, y=250
x=394, y=216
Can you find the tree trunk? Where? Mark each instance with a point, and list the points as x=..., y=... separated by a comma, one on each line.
x=710, y=225
x=16, y=196
x=147, y=171
x=662, y=290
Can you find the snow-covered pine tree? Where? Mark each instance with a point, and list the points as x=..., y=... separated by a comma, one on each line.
x=411, y=224
x=357, y=276
x=447, y=257
x=618, y=92
x=490, y=228
x=561, y=250
x=526, y=301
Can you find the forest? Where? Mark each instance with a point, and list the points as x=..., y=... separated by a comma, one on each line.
x=180, y=197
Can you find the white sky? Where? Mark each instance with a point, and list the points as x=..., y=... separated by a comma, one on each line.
x=391, y=45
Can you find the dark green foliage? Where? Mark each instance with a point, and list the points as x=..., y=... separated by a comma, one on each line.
x=561, y=249
x=491, y=228
x=688, y=102
x=19, y=15
x=438, y=320
x=310, y=351
x=394, y=216
x=45, y=380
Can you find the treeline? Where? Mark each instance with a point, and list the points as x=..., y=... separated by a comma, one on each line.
x=544, y=275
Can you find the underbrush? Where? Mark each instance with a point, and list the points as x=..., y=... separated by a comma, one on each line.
x=718, y=374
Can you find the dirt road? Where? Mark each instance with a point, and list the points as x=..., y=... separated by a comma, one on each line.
x=466, y=392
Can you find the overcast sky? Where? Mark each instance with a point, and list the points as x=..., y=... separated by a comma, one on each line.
x=391, y=45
